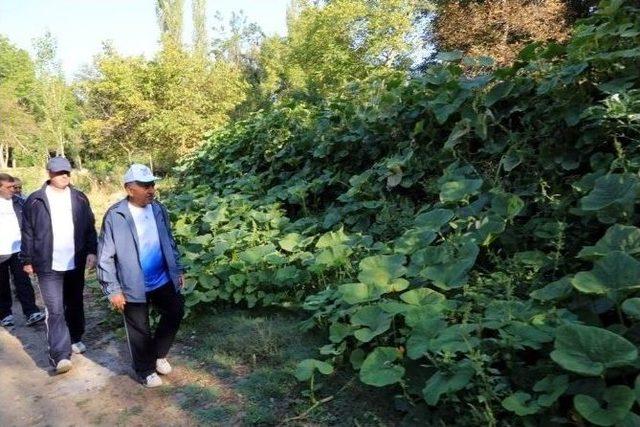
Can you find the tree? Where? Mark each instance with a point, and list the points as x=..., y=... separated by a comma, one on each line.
x=170, y=18
x=332, y=42
x=57, y=105
x=159, y=109
x=501, y=28
x=199, y=8
x=18, y=101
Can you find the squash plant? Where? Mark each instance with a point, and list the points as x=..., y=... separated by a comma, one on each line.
x=468, y=239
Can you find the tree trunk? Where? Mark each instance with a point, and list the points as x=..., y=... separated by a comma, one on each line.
x=4, y=158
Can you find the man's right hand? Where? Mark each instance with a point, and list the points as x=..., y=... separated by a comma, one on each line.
x=28, y=268
x=117, y=302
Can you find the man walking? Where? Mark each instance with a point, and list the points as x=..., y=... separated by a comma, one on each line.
x=17, y=188
x=139, y=266
x=10, y=265
x=58, y=241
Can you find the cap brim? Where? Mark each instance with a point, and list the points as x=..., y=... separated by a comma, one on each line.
x=145, y=181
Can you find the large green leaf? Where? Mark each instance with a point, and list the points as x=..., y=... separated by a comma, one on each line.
x=455, y=338
x=457, y=189
x=290, y=241
x=558, y=290
x=257, y=254
x=612, y=189
x=521, y=403
x=551, y=388
x=589, y=350
x=305, y=369
x=421, y=336
x=452, y=273
x=618, y=237
x=373, y=322
x=434, y=219
x=447, y=382
x=613, y=272
x=631, y=308
x=522, y=335
x=412, y=240
x=379, y=369
x=381, y=270
x=356, y=293
x=619, y=399
x=339, y=331
x=332, y=238
x=424, y=297
x=332, y=256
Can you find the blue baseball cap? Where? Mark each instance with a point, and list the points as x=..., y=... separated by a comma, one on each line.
x=139, y=173
x=58, y=164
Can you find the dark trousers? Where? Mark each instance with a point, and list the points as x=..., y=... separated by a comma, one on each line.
x=24, y=290
x=146, y=346
x=62, y=296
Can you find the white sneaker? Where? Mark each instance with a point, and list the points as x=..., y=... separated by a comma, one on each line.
x=78, y=347
x=7, y=321
x=152, y=380
x=34, y=318
x=63, y=366
x=163, y=367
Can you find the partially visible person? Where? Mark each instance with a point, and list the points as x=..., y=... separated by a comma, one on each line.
x=10, y=265
x=17, y=188
x=138, y=267
x=58, y=242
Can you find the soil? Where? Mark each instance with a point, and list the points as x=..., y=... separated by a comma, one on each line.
x=99, y=390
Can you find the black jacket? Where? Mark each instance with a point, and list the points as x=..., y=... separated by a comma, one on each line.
x=18, y=205
x=37, y=234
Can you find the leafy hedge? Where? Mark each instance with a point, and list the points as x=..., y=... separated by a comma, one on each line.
x=469, y=240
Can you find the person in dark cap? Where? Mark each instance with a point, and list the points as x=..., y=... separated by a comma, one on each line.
x=58, y=241
x=139, y=225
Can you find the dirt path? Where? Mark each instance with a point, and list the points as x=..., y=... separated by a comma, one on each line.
x=99, y=389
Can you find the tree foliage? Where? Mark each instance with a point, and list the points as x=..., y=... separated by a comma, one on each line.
x=18, y=126
x=468, y=240
x=501, y=28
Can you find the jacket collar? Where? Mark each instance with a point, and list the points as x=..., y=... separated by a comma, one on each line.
x=122, y=208
x=41, y=194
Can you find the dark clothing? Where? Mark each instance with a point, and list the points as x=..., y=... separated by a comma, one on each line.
x=144, y=345
x=118, y=268
x=37, y=233
x=24, y=291
x=62, y=294
x=18, y=207
x=61, y=290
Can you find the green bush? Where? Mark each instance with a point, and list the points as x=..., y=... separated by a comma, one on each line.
x=466, y=239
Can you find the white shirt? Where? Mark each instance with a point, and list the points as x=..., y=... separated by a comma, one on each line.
x=150, y=251
x=10, y=235
x=62, y=225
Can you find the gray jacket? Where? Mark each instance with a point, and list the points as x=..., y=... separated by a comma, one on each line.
x=118, y=268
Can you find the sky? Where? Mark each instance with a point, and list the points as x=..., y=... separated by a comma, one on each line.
x=80, y=26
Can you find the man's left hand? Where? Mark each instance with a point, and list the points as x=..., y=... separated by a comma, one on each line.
x=181, y=281
x=91, y=261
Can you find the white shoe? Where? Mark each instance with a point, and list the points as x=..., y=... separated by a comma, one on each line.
x=163, y=367
x=34, y=318
x=7, y=321
x=78, y=347
x=152, y=380
x=63, y=366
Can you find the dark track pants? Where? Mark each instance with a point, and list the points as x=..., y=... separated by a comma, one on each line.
x=22, y=283
x=146, y=346
x=62, y=296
